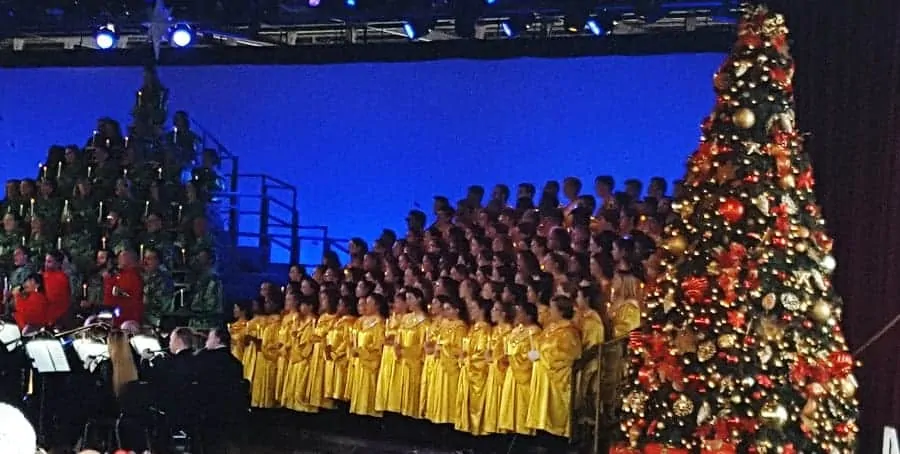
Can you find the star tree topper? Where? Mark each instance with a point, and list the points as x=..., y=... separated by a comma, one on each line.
x=158, y=27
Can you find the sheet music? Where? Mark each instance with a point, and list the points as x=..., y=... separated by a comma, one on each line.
x=47, y=356
x=143, y=343
x=90, y=351
x=10, y=336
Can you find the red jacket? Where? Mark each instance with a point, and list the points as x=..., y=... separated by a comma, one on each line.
x=59, y=295
x=31, y=309
x=130, y=307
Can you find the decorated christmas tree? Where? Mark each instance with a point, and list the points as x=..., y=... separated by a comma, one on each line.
x=150, y=108
x=741, y=349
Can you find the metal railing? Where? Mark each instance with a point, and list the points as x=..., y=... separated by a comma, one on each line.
x=228, y=162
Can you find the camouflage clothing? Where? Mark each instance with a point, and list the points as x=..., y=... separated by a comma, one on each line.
x=86, y=209
x=105, y=176
x=129, y=209
x=94, y=289
x=81, y=246
x=159, y=295
x=119, y=239
x=17, y=276
x=50, y=211
x=162, y=243
x=38, y=246
x=206, y=301
x=69, y=177
x=9, y=241
x=204, y=243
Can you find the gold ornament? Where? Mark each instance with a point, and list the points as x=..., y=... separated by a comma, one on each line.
x=727, y=341
x=821, y=311
x=683, y=406
x=685, y=209
x=706, y=351
x=770, y=329
x=773, y=414
x=801, y=247
x=686, y=342
x=768, y=301
x=635, y=402
x=790, y=301
x=675, y=244
x=704, y=413
x=741, y=67
x=848, y=386
x=744, y=118
x=802, y=232
x=787, y=181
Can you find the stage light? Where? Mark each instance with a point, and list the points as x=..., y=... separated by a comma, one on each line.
x=106, y=37
x=490, y=2
x=350, y=3
x=182, y=35
x=314, y=3
x=415, y=29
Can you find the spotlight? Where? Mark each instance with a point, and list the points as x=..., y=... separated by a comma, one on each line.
x=602, y=24
x=515, y=26
x=182, y=35
x=490, y=2
x=106, y=37
x=350, y=3
x=416, y=29
x=314, y=3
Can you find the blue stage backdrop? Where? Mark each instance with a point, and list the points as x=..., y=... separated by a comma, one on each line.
x=364, y=143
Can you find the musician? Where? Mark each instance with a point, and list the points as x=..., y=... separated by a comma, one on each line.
x=56, y=287
x=172, y=376
x=225, y=398
x=31, y=303
x=124, y=289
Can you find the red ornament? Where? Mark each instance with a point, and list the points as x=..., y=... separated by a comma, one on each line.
x=764, y=381
x=779, y=241
x=694, y=288
x=736, y=319
x=732, y=210
x=806, y=180
x=841, y=363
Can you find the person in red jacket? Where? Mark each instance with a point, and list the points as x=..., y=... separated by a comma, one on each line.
x=31, y=304
x=56, y=288
x=124, y=290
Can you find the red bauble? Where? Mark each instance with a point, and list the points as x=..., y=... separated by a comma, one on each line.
x=732, y=210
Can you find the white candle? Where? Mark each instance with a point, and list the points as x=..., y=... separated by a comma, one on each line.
x=59, y=170
x=31, y=211
x=94, y=138
x=66, y=209
x=59, y=243
x=142, y=251
x=89, y=172
x=180, y=298
x=180, y=209
x=159, y=173
x=126, y=141
x=147, y=208
x=175, y=135
x=100, y=212
x=103, y=243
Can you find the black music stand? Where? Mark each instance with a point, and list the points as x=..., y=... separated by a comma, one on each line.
x=47, y=358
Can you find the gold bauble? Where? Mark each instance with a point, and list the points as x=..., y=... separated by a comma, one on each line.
x=675, y=244
x=706, y=351
x=787, y=182
x=773, y=414
x=848, y=387
x=768, y=301
x=683, y=406
x=744, y=118
x=821, y=311
x=800, y=247
x=802, y=232
x=686, y=342
x=727, y=341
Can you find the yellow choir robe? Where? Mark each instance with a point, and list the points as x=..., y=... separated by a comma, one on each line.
x=295, y=394
x=265, y=369
x=441, y=403
x=516, y=383
x=387, y=395
x=316, y=388
x=496, y=373
x=285, y=338
x=428, y=364
x=411, y=338
x=592, y=330
x=367, y=344
x=237, y=330
x=550, y=404
x=337, y=358
x=253, y=334
x=624, y=316
x=471, y=391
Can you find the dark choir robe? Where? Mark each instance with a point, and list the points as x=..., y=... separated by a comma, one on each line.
x=131, y=307
x=221, y=376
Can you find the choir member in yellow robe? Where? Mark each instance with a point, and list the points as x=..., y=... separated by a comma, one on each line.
x=557, y=348
x=367, y=344
x=253, y=340
x=501, y=316
x=328, y=318
x=295, y=395
x=471, y=391
x=436, y=314
x=593, y=331
x=265, y=369
x=442, y=405
x=337, y=351
x=387, y=393
x=238, y=330
x=517, y=382
x=289, y=318
x=411, y=352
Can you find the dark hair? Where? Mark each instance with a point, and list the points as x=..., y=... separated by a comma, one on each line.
x=223, y=335
x=380, y=302
x=606, y=180
x=530, y=310
x=38, y=280
x=332, y=298
x=185, y=335
x=565, y=306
